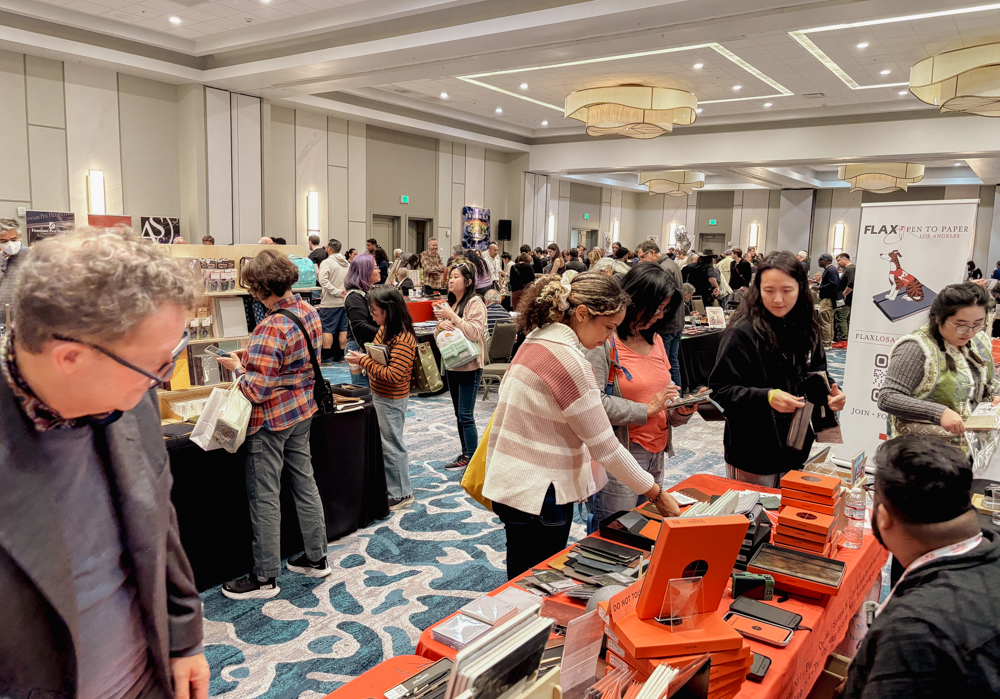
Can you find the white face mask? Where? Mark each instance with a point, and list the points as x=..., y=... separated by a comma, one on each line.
x=11, y=248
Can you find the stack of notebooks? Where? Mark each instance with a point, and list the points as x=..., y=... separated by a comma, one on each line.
x=811, y=513
x=473, y=620
x=592, y=559
x=728, y=671
x=758, y=534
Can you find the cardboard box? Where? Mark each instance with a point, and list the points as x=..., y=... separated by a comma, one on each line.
x=820, y=549
x=808, y=497
x=827, y=486
x=810, y=521
x=824, y=508
x=805, y=535
x=831, y=677
x=703, y=633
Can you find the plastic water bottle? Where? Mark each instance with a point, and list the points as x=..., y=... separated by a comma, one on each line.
x=854, y=516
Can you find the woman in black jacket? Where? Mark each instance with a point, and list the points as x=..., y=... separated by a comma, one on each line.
x=765, y=356
x=521, y=274
x=361, y=327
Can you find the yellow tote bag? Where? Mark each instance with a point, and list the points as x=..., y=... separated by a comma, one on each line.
x=475, y=472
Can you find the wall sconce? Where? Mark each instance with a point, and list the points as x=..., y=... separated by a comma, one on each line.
x=615, y=231
x=754, y=234
x=95, y=193
x=838, y=239
x=312, y=212
x=673, y=234
x=551, y=235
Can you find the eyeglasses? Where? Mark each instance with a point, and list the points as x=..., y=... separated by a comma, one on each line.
x=162, y=374
x=966, y=329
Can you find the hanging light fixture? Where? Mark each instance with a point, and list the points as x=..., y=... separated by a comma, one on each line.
x=674, y=183
x=881, y=178
x=637, y=111
x=964, y=80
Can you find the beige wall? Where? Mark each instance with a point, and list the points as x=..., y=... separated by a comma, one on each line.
x=401, y=164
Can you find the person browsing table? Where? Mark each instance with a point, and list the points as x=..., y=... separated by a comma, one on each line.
x=550, y=424
x=362, y=275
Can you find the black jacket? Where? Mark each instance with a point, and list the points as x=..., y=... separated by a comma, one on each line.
x=360, y=326
x=756, y=435
x=739, y=275
x=829, y=286
x=577, y=266
x=939, y=635
x=521, y=274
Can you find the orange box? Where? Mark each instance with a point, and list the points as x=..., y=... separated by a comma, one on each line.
x=724, y=673
x=807, y=497
x=797, y=533
x=719, y=659
x=815, y=522
x=686, y=547
x=810, y=506
x=825, y=552
x=703, y=633
x=726, y=691
x=821, y=549
x=827, y=486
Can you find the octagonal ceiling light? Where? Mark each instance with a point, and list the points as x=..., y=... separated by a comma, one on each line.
x=637, y=111
x=964, y=80
x=674, y=183
x=881, y=178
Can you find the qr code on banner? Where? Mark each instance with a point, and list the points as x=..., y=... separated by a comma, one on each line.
x=881, y=368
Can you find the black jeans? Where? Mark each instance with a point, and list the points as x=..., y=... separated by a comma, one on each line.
x=532, y=539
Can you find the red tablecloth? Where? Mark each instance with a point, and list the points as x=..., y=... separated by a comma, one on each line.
x=383, y=676
x=795, y=667
x=420, y=310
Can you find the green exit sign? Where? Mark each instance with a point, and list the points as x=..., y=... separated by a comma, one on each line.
x=586, y=216
x=711, y=221
x=404, y=199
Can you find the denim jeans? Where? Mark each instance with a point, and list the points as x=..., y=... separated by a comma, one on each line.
x=771, y=480
x=356, y=379
x=672, y=344
x=464, y=386
x=267, y=453
x=616, y=496
x=532, y=539
x=391, y=414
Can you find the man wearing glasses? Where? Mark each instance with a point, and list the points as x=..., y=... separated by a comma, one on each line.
x=98, y=595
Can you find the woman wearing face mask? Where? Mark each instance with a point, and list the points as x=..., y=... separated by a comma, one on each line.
x=13, y=256
x=549, y=422
x=636, y=370
x=940, y=372
x=764, y=358
x=362, y=275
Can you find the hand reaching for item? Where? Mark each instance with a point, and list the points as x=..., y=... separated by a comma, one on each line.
x=660, y=400
x=952, y=421
x=232, y=362
x=837, y=399
x=786, y=402
x=666, y=505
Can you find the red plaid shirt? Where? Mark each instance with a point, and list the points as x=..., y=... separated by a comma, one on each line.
x=279, y=376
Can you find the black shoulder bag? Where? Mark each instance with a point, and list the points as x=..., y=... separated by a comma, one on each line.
x=322, y=393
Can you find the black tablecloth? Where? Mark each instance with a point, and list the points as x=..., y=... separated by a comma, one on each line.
x=697, y=357
x=210, y=496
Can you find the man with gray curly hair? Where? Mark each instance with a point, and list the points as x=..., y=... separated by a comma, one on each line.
x=98, y=596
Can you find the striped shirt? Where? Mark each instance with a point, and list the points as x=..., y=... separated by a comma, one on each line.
x=279, y=377
x=392, y=381
x=548, y=426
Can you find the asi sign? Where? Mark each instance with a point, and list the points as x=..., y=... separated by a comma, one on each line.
x=586, y=216
x=711, y=221
x=404, y=199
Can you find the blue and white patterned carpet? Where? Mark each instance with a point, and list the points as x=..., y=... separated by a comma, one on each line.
x=394, y=579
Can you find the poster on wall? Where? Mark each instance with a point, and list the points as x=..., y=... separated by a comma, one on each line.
x=475, y=228
x=44, y=224
x=160, y=229
x=108, y=221
x=907, y=253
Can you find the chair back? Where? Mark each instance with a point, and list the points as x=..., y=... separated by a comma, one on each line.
x=502, y=345
x=697, y=304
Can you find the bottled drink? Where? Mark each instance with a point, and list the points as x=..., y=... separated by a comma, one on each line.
x=854, y=518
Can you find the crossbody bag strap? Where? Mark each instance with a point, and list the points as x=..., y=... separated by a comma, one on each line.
x=312, y=350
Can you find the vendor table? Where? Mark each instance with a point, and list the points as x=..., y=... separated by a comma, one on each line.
x=213, y=514
x=795, y=667
x=383, y=676
x=420, y=309
x=697, y=358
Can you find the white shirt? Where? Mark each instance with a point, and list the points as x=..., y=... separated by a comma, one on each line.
x=494, y=265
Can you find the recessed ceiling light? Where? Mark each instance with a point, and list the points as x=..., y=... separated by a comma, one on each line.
x=524, y=86
x=737, y=87
x=957, y=164
x=265, y=1
x=767, y=104
x=175, y=20
x=699, y=66
x=904, y=92
x=545, y=123
x=444, y=95
x=698, y=110
x=863, y=45
x=885, y=72
x=499, y=110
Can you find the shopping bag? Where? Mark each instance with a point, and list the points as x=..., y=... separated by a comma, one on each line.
x=205, y=427
x=426, y=376
x=233, y=420
x=456, y=350
x=475, y=472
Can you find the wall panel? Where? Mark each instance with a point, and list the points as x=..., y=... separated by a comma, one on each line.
x=279, y=176
x=219, y=153
x=49, y=177
x=15, y=184
x=310, y=172
x=247, y=178
x=475, y=175
x=357, y=182
x=443, y=218
x=336, y=178
x=92, y=135
x=336, y=136
x=45, y=93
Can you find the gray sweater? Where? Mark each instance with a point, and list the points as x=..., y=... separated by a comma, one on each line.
x=8, y=282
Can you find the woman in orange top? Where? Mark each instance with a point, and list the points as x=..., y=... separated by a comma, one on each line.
x=634, y=373
x=390, y=385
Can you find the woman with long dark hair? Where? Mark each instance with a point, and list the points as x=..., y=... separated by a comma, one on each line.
x=766, y=353
x=521, y=275
x=390, y=385
x=633, y=371
x=556, y=265
x=941, y=371
x=382, y=262
x=481, y=277
x=465, y=311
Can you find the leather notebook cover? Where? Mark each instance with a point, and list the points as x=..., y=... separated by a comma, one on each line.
x=609, y=548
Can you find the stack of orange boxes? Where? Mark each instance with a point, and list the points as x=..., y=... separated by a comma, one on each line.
x=811, y=513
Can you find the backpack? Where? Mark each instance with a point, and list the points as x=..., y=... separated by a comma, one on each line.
x=307, y=272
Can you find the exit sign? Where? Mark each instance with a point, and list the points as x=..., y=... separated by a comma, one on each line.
x=711, y=221
x=586, y=216
x=404, y=199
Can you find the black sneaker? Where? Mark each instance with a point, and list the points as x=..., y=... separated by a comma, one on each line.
x=458, y=464
x=400, y=503
x=302, y=564
x=249, y=587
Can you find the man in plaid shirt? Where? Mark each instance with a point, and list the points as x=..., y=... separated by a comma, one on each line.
x=279, y=380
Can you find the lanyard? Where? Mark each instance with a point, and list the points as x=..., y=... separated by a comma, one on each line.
x=943, y=552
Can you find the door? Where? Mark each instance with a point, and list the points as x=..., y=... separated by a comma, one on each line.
x=385, y=230
x=714, y=241
x=417, y=234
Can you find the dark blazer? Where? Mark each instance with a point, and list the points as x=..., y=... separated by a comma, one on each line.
x=38, y=603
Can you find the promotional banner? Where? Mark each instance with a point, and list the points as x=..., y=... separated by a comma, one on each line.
x=475, y=228
x=907, y=253
x=108, y=221
x=43, y=224
x=160, y=229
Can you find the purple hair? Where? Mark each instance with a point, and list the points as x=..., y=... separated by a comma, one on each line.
x=360, y=273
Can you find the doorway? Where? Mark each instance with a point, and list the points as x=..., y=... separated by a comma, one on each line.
x=418, y=232
x=385, y=230
x=585, y=237
x=710, y=240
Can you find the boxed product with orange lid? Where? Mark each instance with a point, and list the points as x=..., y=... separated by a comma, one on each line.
x=702, y=633
x=799, y=572
x=804, y=534
x=787, y=500
x=803, y=496
x=805, y=546
x=816, y=522
x=826, y=486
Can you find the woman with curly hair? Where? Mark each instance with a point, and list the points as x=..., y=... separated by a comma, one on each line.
x=550, y=423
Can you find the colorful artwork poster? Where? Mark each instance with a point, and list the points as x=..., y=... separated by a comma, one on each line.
x=45, y=224
x=108, y=221
x=160, y=229
x=475, y=228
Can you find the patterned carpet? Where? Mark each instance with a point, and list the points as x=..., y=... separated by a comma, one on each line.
x=394, y=579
